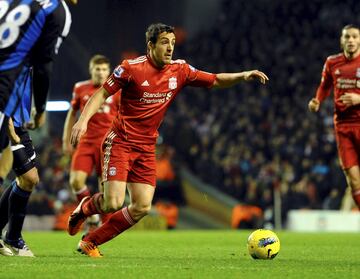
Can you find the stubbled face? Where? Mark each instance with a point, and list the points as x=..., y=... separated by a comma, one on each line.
x=99, y=73
x=350, y=41
x=161, y=52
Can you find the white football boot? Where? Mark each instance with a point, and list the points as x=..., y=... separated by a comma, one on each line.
x=4, y=250
x=19, y=248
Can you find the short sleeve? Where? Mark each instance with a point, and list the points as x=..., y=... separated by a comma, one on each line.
x=120, y=78
x=197, y=78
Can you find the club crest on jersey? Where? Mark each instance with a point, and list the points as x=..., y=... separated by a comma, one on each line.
x=337, y=72
x=112, y=171
x=118, y=71
x=358, y=72
x=172, y=83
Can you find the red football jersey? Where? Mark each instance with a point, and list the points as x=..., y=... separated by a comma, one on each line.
x=343, y=75
x=147, y=92
x=101, y=121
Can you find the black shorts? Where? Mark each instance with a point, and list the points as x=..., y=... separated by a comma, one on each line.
x=24, y=152
x=7, y=81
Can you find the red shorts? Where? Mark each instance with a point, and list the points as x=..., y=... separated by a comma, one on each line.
x=348, y=145
x=130, y=162
x=86, y=156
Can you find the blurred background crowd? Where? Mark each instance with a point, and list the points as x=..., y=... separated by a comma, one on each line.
x=245, y=141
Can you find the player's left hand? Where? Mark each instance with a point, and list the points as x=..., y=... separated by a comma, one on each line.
x=350, y=99
x=256, y=74
x=14, y=138
x=37, y=120
x=78, y=130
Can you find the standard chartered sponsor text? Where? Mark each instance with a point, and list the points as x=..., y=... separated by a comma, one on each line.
x=154, y=95
x=152, y=101
x=347, y=83
x=152, y=98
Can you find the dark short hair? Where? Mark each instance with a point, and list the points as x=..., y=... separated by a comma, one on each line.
x=99, y=59
x=155, y=29
x=351, y=26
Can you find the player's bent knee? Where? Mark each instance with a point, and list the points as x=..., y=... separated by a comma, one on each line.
x=138, y=211
x=112, y=206
x=354, y=183
x=28, y=181
x=76, y=184
x=353, y=180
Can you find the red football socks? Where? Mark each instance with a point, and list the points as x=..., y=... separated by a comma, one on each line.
x=84, y=192
x=118, y=222
x=92, y=205
x=105, y=217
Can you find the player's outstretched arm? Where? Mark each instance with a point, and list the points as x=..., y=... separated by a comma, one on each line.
x=224, y=80
x=90, y=109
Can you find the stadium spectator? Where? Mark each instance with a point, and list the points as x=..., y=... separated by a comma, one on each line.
x=169, y=211
x=168, y=187
x=149, y=85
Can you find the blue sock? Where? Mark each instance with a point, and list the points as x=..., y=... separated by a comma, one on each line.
x=18, y=201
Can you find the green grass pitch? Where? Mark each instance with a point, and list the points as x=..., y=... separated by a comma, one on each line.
x=187, y=254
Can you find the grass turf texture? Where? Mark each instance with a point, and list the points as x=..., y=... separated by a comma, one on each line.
x=187, y=254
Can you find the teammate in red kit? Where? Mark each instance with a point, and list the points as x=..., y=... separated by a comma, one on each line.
x=87, y=152
x=342, y=73
x=149, y=84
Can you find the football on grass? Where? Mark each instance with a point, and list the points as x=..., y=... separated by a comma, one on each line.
x=263, y=244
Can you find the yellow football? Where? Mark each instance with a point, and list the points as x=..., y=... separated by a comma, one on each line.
x=263, y=244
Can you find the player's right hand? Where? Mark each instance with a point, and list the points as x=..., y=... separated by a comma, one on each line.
x=14, y=138
x=314, y=105
x=67, y=148
x=78, y=130
x=37, y=120
x=255, y=74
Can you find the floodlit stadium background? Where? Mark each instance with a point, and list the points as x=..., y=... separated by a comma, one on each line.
x=253, y=148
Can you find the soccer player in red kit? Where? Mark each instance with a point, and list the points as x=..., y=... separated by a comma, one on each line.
x=342, y=73
x=87, y=152
x=149, y=84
